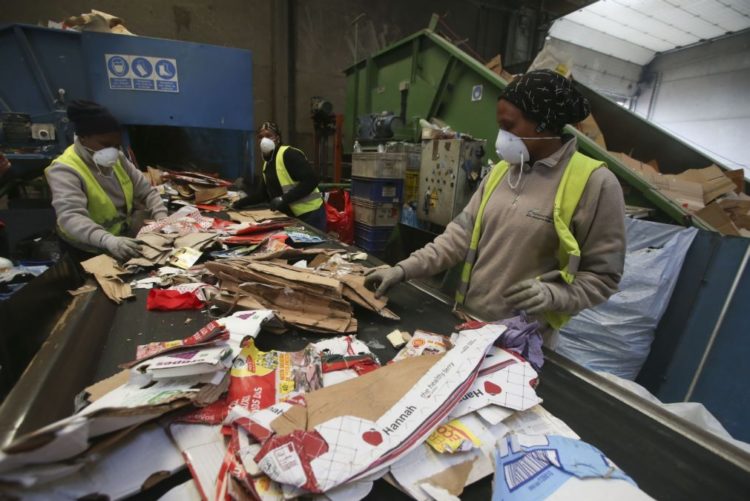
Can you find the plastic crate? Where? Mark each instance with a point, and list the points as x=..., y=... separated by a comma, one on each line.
x=378, y=190
x=371, y=233
x=375, y=214
x=371, y=247
x=375, y=165
x=371, y=239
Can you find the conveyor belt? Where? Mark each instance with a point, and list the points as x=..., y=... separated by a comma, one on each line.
x=668, y=457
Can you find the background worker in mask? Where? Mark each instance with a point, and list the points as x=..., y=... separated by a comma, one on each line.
x=288, y=182
x=94, y=187
x=518, y=253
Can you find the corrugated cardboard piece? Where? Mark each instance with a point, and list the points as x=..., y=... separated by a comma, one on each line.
x=108, y=272
x=347, y=431
x=692, y=189
x=311, y=299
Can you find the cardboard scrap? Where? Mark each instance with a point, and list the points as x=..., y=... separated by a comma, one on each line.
x=591, y=129
x=692, y=189
x=553, y=467
x=116, y=471
x=302, y=297
x=257, y=216
x=717, y=218
x=421, y=343
x=205, y=194
x=260, y=379
x=372, y=424
x=738, y=178
x=107, y=273
x=425, y=462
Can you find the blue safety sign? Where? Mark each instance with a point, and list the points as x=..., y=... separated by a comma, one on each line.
x=147, y=73
x=142, y=67
x=118, y=66
x=476, y=92
x=165, y=69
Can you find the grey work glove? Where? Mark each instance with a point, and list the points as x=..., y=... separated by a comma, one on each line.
x=383, y=279
x=123, y=248
x=531, y=296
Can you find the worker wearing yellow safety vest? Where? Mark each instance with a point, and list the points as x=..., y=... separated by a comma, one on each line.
x=288, y=181
x=95, y=188
x=544, y=233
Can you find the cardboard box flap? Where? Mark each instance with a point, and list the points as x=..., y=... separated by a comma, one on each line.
x=716, y=217
x=361, y=397
x=712, y=180
x=452, y=479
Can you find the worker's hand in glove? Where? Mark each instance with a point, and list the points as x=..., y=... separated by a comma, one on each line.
x=278, y=203
x=382, y=279
x=123, y=248
x=531, y=296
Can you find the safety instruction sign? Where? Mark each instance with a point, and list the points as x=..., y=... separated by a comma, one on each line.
x=129, y=72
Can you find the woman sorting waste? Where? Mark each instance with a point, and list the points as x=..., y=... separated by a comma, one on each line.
x=544, y=233
x=95, y=188
x=288, y=181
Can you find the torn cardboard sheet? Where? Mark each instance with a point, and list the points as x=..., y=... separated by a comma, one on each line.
x=378, y=418
x=692, y=189
x=299, y=297
x=117, y=471
x=425, y=464
x=203, y=450
x=257, y=216
x=718, y=219
x=553, y=467
x=355, y=291
x=504, y=380
x=186, y=220
x=260, y=379
x=108, y=273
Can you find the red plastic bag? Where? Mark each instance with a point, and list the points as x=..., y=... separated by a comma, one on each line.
x=170, y=300
x=340, y=215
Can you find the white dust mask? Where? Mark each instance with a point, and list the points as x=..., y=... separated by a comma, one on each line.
x=511, y=148
x=106, y=157
x=267, y=145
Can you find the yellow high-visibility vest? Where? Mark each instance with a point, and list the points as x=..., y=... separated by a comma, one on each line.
x=100, y=207
x=568, y=195
x=306, y=204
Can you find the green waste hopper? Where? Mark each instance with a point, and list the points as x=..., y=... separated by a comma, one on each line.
x=426, y=76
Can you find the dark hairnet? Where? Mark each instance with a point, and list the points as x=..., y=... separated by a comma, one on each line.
x=548, y=98
x=272, y=126
x=90, y=118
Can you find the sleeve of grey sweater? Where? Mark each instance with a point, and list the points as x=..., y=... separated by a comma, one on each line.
x=599, y=227
x=449, y=248
x=71, y=207
x=143, y=192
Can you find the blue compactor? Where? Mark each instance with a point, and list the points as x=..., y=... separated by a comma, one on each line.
x=183, y=104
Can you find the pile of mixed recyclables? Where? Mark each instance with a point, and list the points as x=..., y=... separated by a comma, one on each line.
x=206, y=192
x=325, y=421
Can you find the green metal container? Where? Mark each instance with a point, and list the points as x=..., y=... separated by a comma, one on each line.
x=426, y=76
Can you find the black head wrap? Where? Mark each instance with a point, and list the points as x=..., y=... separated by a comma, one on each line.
x=91, y=118
x=548, y=98
x=272, y=126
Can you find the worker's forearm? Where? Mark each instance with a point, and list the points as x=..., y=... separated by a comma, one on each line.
x=447, y=250
x=587, y=290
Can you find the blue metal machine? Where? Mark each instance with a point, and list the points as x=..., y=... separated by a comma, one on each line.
x=203, y=89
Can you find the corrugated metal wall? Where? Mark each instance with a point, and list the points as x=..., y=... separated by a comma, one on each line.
x=702, y=94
